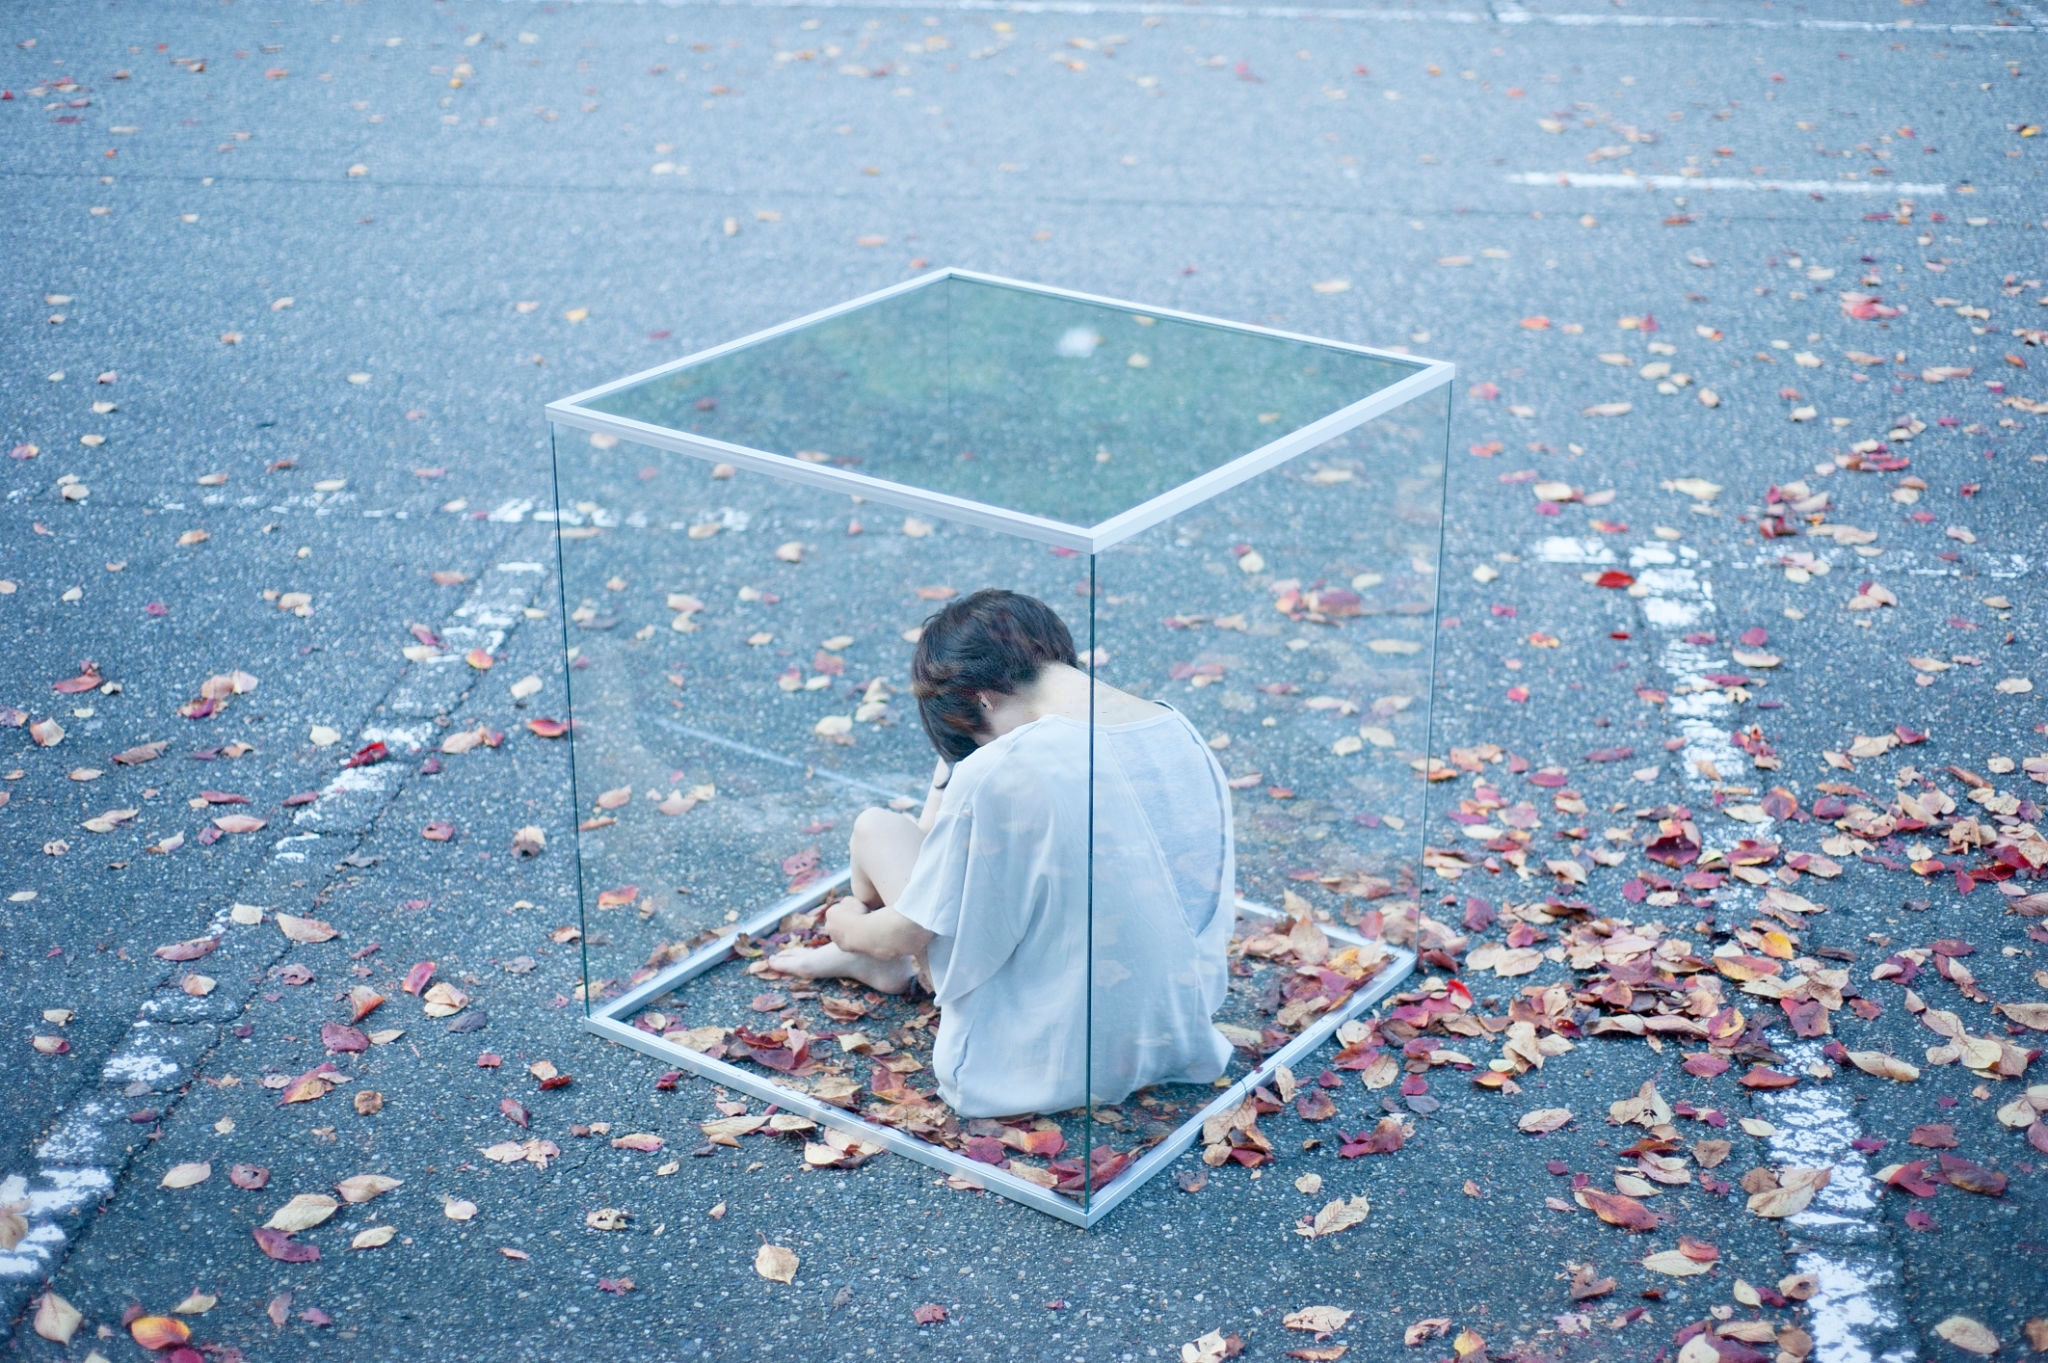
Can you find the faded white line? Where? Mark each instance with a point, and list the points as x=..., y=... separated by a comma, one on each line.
x=1582, y=179
x=1855, y=1315
x=1503, y=16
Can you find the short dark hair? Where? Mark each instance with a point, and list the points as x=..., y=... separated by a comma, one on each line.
x=994, y=640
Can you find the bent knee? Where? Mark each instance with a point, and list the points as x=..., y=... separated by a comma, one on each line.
x=872, y=823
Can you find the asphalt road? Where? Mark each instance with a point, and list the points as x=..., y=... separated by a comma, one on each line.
x=295, y=245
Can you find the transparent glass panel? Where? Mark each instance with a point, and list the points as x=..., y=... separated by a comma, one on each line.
x=739, y=653
x=1290, y=625
x=1029, y=401
x=1028, y=965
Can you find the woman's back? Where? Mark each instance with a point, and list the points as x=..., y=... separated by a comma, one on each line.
x=1006, y=881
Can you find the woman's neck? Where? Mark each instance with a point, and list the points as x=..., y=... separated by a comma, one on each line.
x=1063, y=690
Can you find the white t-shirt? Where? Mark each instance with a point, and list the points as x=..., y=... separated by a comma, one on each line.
x=1003, y=881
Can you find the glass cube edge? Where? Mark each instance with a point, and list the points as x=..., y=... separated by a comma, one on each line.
x=1429, y=375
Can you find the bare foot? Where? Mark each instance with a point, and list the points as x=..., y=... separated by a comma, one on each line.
x=885, y=975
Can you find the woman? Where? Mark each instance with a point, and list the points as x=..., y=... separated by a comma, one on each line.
x=989, y=893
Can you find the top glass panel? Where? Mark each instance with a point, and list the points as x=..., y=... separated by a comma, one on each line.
x=1028, y=401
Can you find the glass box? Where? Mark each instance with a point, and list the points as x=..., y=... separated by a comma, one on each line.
x=1153, y=881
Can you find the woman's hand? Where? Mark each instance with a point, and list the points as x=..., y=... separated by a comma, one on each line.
x=842, y=921
x=873, y=932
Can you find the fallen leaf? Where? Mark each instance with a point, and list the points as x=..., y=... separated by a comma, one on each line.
x=56, y=1319
x=303, y=1212
x=457, y=1209
x=929, y=1314
x=373, y=1238
x=1544, y=1119
x=1618, y=1210
x=1794, y=1192
x=1675, y=1263
x=158, y=1332
x=1335, y=1216
x=280, y=1246
x=305, y=929
x=1884, y=1066
x=365, y=1187
x=776, y=1264
x=186, y=1175
x=1322, y=1320
x=1968, y=1335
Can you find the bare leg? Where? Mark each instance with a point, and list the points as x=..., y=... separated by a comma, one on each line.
x=884, y=849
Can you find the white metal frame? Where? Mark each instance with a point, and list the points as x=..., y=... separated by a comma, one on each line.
x=574, y=412
x=609, y=1021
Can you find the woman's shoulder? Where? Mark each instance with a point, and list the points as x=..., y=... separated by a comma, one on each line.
x=1022, y=759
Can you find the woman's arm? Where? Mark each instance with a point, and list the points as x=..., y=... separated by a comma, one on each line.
x=874, y=932
x=934, y=797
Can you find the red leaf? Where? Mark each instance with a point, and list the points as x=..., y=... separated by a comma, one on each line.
x=987, y=1150
x=1921, y=1221
x=1705, y=1065
x=188, y=951
x=1764, y=1077
x=515, y=1111
x=438, y=831
x=546, y=728
x=1972, y=1178
x=368, y=755
x=416, y=978
x=336, y=1037
x=249, y=1177
x=1934, y=1136
x=280, y=1246
x=1912, y=1178
x=1617, y=1210
x=928, y=1314
x=1614, y=577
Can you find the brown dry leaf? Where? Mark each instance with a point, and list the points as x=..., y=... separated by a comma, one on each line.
x=458, y=1209
x=239, y=823
x=56, y=1319
x=306, y=930
x=373, y=1238
x=1884, y=1066
x=1675, y=1263
x=647, y=1142
x=444, y=1000
x=2034, y=1015
x=605, y=1218
x=1336, y=1216
x=303, y=1212
x=1618, y=1210
x=1969, y=1335
x=364, y=1187
x=195, y=1304
x=369, y=1102
x=186, y=1175
x=1794, y=1192
x=1321, y=1320
x=1422, y=1330
x=1544, y=1119
x=776, y=1264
